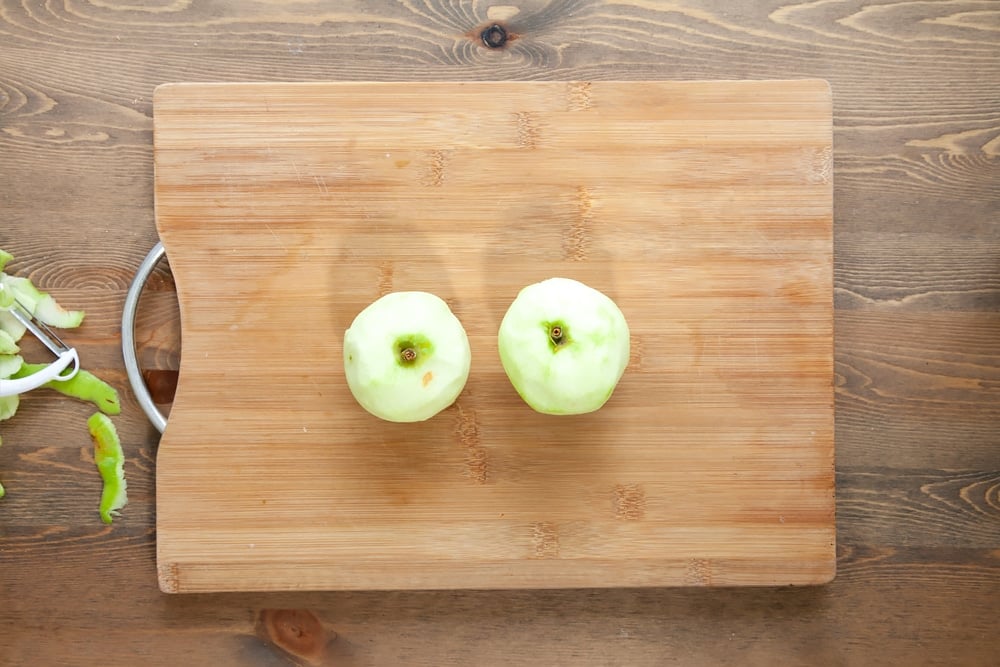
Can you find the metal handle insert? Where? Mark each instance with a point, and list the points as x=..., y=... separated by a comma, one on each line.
x=128, y=338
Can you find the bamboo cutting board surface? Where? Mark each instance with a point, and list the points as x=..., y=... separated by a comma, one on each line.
x=703, y=208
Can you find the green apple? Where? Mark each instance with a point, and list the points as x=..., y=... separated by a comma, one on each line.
x=406, y=357
x=564, y=346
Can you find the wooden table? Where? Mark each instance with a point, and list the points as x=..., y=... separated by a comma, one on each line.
x=917, y=231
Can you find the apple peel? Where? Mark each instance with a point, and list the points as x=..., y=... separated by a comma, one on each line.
x=110, y=461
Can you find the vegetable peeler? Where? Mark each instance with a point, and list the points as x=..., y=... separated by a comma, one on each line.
x=65, y=356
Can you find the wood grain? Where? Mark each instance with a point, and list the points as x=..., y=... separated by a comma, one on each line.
x=916, y=244
x=703, y=209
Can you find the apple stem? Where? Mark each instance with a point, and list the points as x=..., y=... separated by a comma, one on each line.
x=408, y=354
x=556, y=334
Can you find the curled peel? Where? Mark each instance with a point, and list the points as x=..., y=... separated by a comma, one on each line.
x=84, y=385
x=7, y=343
x=41, y=304
x=7, y=300
x=8, y=406
x=9, y=364
x=11, y=326
x=110, y=462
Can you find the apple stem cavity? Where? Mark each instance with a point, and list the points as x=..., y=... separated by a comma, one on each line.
x=412, y=350
x=557, y=334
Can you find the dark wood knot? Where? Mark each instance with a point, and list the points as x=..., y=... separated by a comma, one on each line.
x=494, y=36
x=297, y=632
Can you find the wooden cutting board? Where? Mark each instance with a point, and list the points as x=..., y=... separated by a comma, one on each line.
x=703, y=208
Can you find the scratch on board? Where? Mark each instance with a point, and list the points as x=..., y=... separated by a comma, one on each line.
x=276, y=237
x=768, y=244
x=756, y=337
x=321, y=184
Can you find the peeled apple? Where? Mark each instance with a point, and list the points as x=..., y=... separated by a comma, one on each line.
x=564, y=346
x=406, y=357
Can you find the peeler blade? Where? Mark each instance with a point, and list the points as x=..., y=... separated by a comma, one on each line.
x=39, y=329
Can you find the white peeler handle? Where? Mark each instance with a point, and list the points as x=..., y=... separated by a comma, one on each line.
x=51, y=372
